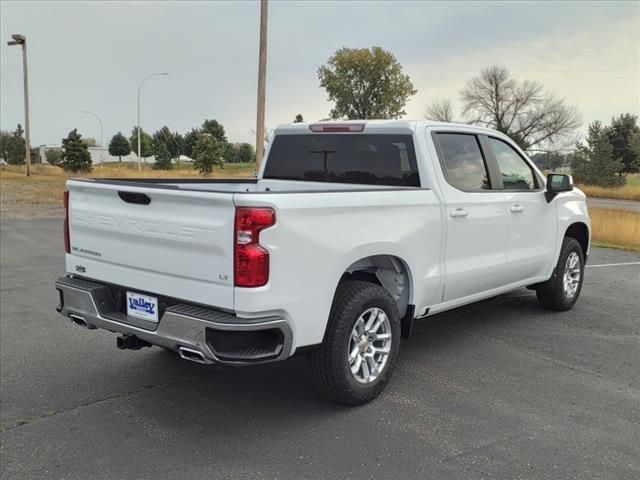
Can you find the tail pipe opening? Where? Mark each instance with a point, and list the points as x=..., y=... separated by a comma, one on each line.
x=192, y=355
x=80, y=321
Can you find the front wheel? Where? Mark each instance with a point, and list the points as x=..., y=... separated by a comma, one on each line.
x=361, y=346
x=562, y=290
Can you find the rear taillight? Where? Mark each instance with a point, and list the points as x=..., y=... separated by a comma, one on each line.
x=251, y=260
x=67, y=241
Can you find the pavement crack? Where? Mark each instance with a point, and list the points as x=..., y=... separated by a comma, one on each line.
x=52, y=413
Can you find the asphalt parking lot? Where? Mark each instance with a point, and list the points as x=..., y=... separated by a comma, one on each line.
x=500, y=389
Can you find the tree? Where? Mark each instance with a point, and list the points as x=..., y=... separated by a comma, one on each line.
x=163, y=157
x=119, y=146
x=365, y=83
x=549, y=161
x=54, y=156
x=634, y=143
x=536, y=120
x=169, y=139
x=189, y=141
x=298, y=119
x=239, y=153
x=231, y=153
x=207, y=152
x=215, y=129
x=246, y=153
x=594, y=164
x=146, y=149
x=16, y=147
x=5, y=145
x=620, y=135
x=75, y=156
x=441, y=110
x=90, y=142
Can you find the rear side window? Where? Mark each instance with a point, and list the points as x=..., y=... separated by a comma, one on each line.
x=344, y=158
x=462, y=161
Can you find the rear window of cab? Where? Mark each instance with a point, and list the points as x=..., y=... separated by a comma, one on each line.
x=367, y=159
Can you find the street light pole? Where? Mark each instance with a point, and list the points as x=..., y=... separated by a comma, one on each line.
x=22, y=41
x=262, y=73
x=140, y=88
x=100, y=122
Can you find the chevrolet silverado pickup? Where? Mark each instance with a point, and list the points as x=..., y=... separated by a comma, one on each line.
x=350, y=232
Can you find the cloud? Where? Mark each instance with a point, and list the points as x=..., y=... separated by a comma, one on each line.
x=92, y=56
x=596, y=68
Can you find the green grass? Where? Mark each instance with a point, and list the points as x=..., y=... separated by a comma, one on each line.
x=633, y=179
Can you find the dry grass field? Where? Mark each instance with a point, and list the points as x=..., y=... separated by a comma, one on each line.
x=40, y=195
x=630, y=191
x=627, y=192
x=615, y=228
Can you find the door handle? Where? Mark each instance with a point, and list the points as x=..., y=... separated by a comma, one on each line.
x=458, y=212
x=516, y=208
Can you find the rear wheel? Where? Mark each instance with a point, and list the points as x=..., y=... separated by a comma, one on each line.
x=357, y=358
x=562, y=290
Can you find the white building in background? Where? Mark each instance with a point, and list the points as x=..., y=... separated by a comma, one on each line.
x=101, y=155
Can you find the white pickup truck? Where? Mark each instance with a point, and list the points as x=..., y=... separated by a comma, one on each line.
x=350, y=232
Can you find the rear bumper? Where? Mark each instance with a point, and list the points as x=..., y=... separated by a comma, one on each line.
x=220, y=337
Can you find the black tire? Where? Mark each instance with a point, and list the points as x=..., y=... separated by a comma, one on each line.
x=329, y=364
x=551, y=294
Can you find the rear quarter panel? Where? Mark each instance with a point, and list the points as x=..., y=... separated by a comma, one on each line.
x=318, y=235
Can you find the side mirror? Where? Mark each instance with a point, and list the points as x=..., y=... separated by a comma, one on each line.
x=557, y=183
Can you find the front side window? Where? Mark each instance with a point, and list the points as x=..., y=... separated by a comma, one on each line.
x=463, y=162
x=516, y=173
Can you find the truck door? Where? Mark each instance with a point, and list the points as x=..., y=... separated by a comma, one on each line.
x=476, y=217
x=532, y=221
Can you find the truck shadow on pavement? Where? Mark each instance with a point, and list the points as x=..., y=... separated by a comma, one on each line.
x=237, y=396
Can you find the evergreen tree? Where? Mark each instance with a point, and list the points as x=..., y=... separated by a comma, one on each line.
x=6, y=142
x=620, y=134
x=119, y=146
x=207, y=153
x=16, y=147
x=189, y=141
x=163, y=157
x=75, y=156
x=594, y=164
x=298, y=119
x=169, y=139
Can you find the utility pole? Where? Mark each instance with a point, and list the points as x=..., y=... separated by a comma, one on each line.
x=139, y=89
x=22, y=41
x=262, y=74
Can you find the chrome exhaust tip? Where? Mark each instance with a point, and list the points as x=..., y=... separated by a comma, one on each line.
x=80, y=321
x=192, y=355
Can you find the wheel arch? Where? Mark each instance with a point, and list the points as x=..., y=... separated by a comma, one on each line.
x=389, y=271
x=579, y=231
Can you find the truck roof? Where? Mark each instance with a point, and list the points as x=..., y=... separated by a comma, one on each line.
x=379, y=126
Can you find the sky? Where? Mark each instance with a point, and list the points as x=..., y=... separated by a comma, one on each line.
x=92, y=55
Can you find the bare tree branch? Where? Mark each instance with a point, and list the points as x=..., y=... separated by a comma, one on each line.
x=440, y=110
x=522, y=110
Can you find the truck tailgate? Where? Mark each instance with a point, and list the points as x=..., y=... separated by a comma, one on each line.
x=179, y=243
